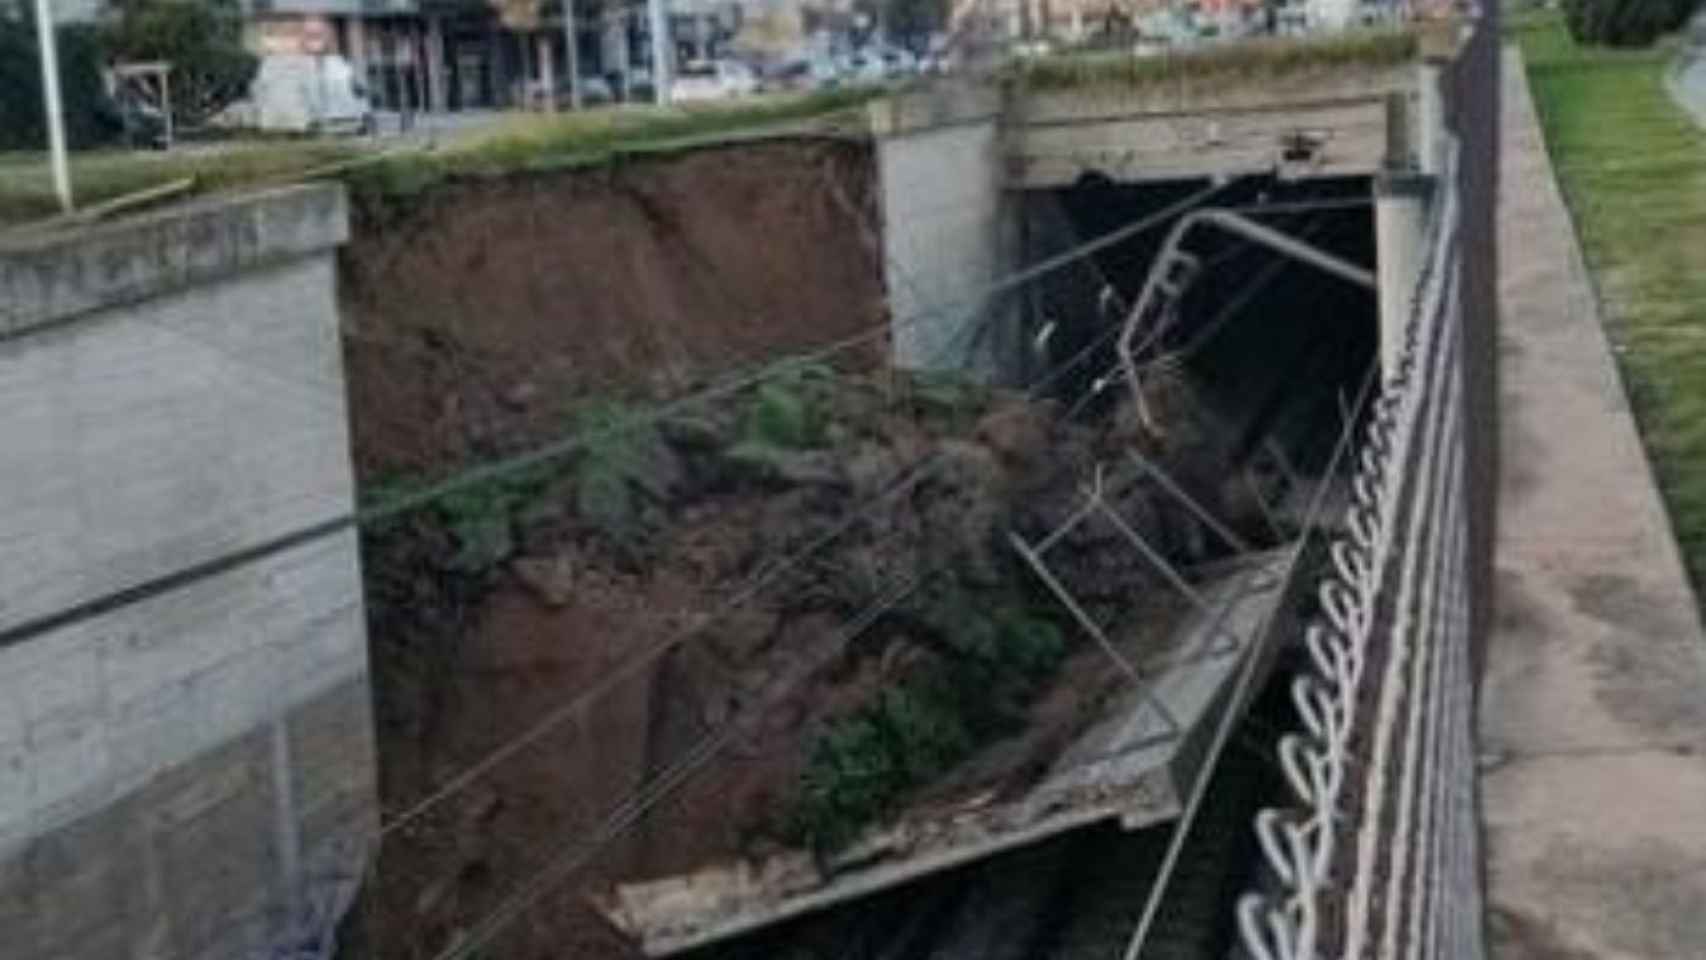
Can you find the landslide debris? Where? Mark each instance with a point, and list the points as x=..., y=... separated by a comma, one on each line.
x=815, y=574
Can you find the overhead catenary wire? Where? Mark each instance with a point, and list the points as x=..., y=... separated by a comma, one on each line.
x=1242, y=298
x=575, y=441
x=629, y=811
x=562, y=714
x=631, y=667
x=486, y=473
x=1322, y=205
x=973, y=303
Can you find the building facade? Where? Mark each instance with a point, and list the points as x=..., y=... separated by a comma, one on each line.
x=452, y=55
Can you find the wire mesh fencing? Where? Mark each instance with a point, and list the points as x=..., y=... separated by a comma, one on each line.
x=1378, y=854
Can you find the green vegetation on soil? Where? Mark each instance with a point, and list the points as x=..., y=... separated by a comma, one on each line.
x=1222, y=64
x=861, y=766
x=1633, y=168
x=26, y=186
x=950, y=667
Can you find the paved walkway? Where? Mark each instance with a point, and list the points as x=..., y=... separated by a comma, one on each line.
x=1593, y=710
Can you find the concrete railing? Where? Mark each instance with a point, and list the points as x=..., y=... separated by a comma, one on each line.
x=186, y=758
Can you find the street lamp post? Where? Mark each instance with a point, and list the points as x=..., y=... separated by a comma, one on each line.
x=51, y=104
x=663, y=52
x=571, y=54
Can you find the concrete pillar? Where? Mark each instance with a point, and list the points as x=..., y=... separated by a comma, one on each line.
x=616, y=50
x=1438, y=43
x=1430, y=118
x=571, y=54
x=1400, y=236
x=1400, y=136
x=547, y=73
x=663, y=51
x=356, y=39
x=438, y=99
x=947, y=231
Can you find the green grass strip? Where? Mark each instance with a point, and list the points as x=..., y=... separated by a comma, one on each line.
x=1632, y=165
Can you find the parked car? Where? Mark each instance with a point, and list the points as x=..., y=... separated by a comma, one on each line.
x=713, y=80
x=309, y=93
x=825, y=73
x=787, y=75
x=136, y=123
x=595, y=91
x=878, y=63
x=638, y=86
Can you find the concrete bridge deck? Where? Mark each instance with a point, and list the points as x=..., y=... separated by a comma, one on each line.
x=1593, y=697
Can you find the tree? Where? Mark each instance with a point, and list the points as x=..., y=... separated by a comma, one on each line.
x=88, y=118
x=201, y=39
x=1624, y=23
x=907, y=22
x=913, y=20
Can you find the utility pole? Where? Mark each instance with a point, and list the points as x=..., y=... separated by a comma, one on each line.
x=571, y=55
x=55, y=111
x=663, y=53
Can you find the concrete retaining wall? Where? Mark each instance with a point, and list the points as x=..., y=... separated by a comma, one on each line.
x=948, y=229
x=186, y=751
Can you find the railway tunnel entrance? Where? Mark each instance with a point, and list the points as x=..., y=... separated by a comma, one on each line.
x=1275, y=348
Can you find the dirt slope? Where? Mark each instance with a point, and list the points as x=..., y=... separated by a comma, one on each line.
x=489, y=308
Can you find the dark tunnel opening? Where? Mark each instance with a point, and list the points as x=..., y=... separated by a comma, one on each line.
x=1275, y=347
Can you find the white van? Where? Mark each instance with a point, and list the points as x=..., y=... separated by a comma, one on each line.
x=309, y=93
x=713, y=80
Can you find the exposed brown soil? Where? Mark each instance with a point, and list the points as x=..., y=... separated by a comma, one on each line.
x=464, y=660
x=473, y=321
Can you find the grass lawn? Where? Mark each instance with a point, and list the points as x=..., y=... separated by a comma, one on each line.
x=1246, y=61
x=26, y=185
x=1633, y=167
x=520, y=141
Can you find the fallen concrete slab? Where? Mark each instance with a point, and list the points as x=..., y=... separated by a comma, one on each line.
x=1135, y=766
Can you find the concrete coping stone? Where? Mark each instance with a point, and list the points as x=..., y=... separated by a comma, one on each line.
x=1441, y=39
x=1308, y=90
x=53, y=275
x=938, y=105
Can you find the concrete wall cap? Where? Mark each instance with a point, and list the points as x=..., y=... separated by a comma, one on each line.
x=939, y=105
x=52, y=275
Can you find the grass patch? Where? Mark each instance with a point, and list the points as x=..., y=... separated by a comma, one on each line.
x=1633, y=167
x=1258, y=59
x=537, y=143
x=993, y=660
x=521, y=143
x=26, y=184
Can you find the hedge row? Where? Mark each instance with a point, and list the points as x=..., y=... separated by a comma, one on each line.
x=89, y=117
x=202, y=39
x=1625, y=23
